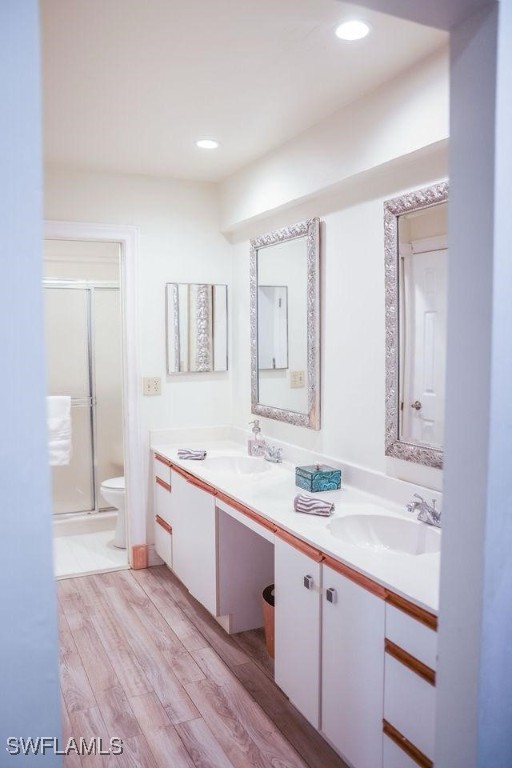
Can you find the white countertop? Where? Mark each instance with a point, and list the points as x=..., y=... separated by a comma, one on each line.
x=271, y=494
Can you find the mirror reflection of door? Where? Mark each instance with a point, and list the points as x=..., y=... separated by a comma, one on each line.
x=425, y=284
x=272, y=327
x=422, y=310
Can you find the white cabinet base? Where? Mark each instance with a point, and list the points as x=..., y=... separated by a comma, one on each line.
x=297, y=629
x=194, y=551
x=410, y=705
x=163, y=544
x=352, y=670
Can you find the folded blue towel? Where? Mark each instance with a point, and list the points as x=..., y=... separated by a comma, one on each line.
x=185, y=453
x=312, y=506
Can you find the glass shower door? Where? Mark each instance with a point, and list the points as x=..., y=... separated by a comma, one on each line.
x=68, y=350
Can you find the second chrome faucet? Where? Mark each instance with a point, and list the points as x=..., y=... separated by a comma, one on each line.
x=426, y=513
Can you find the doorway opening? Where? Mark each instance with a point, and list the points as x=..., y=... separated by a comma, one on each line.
x=90, y=299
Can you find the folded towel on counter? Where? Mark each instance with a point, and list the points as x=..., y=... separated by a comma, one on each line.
x=59, y=429
x=185, y=453
x=311, y=506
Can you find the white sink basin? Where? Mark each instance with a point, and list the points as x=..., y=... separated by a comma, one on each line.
x=384, y=533
x=237, y=465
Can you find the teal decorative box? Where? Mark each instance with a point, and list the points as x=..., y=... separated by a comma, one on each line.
x=318, y=477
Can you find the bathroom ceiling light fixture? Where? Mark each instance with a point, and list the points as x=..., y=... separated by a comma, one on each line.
x=352, y=30
x=207, y=144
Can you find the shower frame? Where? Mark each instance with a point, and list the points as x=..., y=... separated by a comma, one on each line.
x=90, y=286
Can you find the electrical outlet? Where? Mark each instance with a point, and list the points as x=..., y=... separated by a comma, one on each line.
x=152, y=385
x=297, y=379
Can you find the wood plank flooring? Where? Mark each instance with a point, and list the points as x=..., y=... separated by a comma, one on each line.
x=143, y=661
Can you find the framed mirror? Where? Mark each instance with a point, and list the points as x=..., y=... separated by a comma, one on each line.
x=196, y=327
x=416, y=268
x=285, y=324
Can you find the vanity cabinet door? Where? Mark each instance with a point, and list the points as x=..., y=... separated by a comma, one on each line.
x=352, y=669
x=194, y=541
x=297, y=628
x=163, y=540
x=162, y=508
x=162, y=496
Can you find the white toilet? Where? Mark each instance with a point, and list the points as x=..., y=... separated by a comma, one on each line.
x=113, y=492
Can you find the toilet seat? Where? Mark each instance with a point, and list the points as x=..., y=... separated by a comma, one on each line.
x=115, y=483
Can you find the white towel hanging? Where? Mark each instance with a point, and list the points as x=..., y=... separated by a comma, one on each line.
x=59, y=429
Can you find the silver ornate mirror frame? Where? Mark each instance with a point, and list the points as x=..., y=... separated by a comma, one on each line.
x=208, y=326
x=310, y=229
x=414, y=201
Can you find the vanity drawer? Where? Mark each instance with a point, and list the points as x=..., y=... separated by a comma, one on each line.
x=412, y=635
x=163, y=540
x=396, y=757
x=409, y=705
x=162, y=468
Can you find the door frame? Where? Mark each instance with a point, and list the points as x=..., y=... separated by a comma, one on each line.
x=135, y=461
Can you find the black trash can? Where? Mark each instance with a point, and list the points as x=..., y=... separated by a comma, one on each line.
x=267, y=599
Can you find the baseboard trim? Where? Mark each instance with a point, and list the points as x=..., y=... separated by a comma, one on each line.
x=139, y=558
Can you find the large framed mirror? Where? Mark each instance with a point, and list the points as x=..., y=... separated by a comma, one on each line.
x=196, y=327
x=285, y=324
x=416, y=268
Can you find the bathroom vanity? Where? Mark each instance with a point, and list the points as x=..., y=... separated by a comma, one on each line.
x=355, y=623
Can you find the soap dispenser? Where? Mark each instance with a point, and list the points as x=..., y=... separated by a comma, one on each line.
x=256, y=444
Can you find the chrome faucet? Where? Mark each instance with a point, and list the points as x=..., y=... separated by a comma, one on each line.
x=273, y=454
x=426, y=513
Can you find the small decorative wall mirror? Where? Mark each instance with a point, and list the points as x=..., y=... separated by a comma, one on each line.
x=285, y=324
x=196, y=327
x=416, y=262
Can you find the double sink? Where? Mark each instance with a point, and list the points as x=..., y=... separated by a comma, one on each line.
x=366, y=526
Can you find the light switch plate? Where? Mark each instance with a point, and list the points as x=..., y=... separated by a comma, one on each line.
x=152, y=385
x=297, y=379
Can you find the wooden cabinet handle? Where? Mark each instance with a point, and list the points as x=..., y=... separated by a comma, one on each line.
x=355, y=576
x=406, y=746
x=163, y=524
x=200, y=484
x=246, y=511
x=194, y=480
x=306, y=549
x=162, y=460
x=420, y=614
x=163, y=484
x=409, y=661
x=180, y=471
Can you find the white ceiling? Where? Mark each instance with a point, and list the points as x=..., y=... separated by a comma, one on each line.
x=129, y=85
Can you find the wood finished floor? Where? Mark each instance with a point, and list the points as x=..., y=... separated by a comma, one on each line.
x=143, y=661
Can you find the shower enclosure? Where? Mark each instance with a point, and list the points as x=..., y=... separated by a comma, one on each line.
x=83, y=348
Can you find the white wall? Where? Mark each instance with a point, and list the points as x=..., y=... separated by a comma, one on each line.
x=29, y=702
x=406, y=115
x=389, y=142
x=179, y=242
x=353, y=339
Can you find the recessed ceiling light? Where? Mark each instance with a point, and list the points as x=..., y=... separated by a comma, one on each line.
x=352, y=30
x=207, y=144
